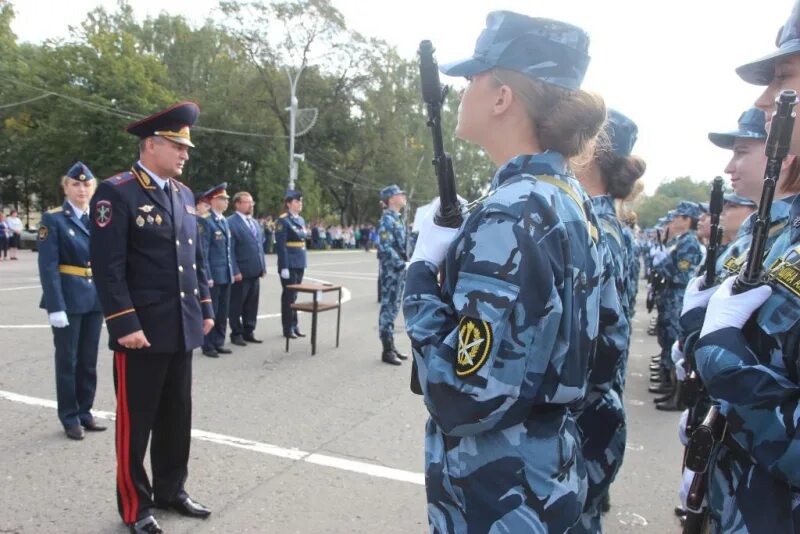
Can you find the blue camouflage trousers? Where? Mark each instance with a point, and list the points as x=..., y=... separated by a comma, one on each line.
x=668, y=325
x=392, y=283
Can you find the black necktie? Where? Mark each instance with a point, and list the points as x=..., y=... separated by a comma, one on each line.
x=169, y=194
x=85, y=220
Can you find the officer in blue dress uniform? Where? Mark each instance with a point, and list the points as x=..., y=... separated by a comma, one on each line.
x=71, y=301
x=215, y=238
x=149, y=272
x=290, y=246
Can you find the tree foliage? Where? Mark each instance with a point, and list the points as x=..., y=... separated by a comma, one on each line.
x=667, y=196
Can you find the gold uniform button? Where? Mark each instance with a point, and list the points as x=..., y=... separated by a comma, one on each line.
x=190, y=240
x=177, y=243
x=180, y=268
x=183, y=295
x=194, y=266
x=195, y=291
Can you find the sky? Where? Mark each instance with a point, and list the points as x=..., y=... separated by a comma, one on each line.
x=668, y=65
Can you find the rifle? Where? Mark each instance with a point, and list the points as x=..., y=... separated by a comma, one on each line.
x=449, y=212
x=780, y=135
x=704, y=440
x=715, y=238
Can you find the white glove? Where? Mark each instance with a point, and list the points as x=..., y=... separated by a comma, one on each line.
x=676, y=353
x=680, y=370
x=660, y=256
x=726, y=310
x=58, y=319
x=285, y=274
x=407, y=264
x=433, y=240
x=654, y=249
x=682, y=428
x=695, y=297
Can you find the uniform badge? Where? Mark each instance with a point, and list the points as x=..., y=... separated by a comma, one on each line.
x=139, y=221
x=684, y=265
x=150, y=219
x=103, y=213
x=474, y=345
x=147, y=208
x=191, y=210
x=42, y=233
x=384, y=236
x=158, y=218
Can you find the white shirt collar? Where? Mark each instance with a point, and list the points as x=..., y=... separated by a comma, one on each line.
x=243, y=216
x=159, y=180
x=78, y=213
x=217, y=216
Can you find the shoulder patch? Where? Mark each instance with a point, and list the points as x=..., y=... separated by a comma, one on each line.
x=102, y=213
x=42, y=233
x=56, y=210
x=474, y=345
x=684, y=265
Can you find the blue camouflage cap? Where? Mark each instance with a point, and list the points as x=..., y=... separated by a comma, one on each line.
x=705, y=207
x=761, y=71
x=688, y=209
x=293, y=194
x=737, y=200
x=80, y=172
x=669, y=216
x=543, y=49
x=622, y=133
x=390, y=191
x=751, y=126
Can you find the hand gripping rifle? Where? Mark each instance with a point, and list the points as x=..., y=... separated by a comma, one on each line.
x=780, y=135
x=714, y=240
x=449, y=213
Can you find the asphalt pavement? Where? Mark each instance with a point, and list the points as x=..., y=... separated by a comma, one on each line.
x=283, y=442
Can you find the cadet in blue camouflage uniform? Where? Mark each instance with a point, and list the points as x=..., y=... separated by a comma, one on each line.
x=503, y=345
x=392, y=257
x=634, y=263
x=752, y=372
x=677, y=264
x=610, y=175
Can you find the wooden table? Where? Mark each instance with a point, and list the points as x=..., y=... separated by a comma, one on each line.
x=315, y=306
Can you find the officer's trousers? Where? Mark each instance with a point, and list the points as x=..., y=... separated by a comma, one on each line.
x=154, y=396
x=289, y=297
x=76, y=366
x=244, y=306
x=220, y=300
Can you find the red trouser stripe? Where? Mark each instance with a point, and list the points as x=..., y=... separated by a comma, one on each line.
x=128, y=495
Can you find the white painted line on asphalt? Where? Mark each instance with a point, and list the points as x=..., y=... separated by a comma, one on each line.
x=20, y=288
x=343, y=464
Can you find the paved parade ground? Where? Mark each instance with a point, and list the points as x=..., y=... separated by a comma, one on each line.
x=283, y=442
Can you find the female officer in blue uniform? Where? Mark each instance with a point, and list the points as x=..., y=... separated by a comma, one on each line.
x=748, y=354
x=503, y=345
x=610, y=175
x=71, y=301
x=290, y=246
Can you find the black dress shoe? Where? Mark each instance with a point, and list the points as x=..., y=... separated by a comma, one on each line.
x=251, y=339
x=92, y=425
x=298, y=333
x=187, y=507
x=665, y=398
x=223, y=350
x=74, y=432
x=391, y=358
x=669, y=406
x=237, y=340
x=660, y=388
x=290, y=335
x=211, y=353
x=148, y=525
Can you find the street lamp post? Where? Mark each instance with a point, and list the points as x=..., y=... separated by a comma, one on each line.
x=292, y=109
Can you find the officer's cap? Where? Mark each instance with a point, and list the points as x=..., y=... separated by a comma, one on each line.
x=688, y=209
x=543, y=49
x=761, y=71
x=736, y=200
x=293, y=194
x=216, y=191
x=622, y=133
x=751, y=126
x=199, y=197
x=705, y=207
x=172, y=123
x=390, y=191
x=80, y=172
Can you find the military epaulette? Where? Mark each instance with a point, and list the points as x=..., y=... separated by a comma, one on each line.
x=120, y=178
x=282, y=215
x=56, y=210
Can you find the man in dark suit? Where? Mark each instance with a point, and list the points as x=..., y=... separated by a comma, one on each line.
x=215, y=237
x=290, y=245
x=149, y=274
x=247, y=247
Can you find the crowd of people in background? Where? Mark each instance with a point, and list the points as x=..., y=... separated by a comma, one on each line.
x=324, y=236
x=10, y=232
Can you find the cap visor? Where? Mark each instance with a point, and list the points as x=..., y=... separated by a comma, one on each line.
x=761, y=71
x=179, y=140
x=464, y=68
x=722, y=140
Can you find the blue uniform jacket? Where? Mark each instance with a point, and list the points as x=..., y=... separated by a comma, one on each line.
x=215, y=237
x=290, y=241
x=247, y=250
x=64, y=241
x=148, y=264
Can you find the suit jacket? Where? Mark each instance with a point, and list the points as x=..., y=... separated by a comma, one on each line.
x=215, y=237
x=148, y=263
x=247, y=249
x=290, y=241
x=64, y=241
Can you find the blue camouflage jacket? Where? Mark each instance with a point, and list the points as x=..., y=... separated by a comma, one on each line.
x=392, y=240
x=685, y=254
